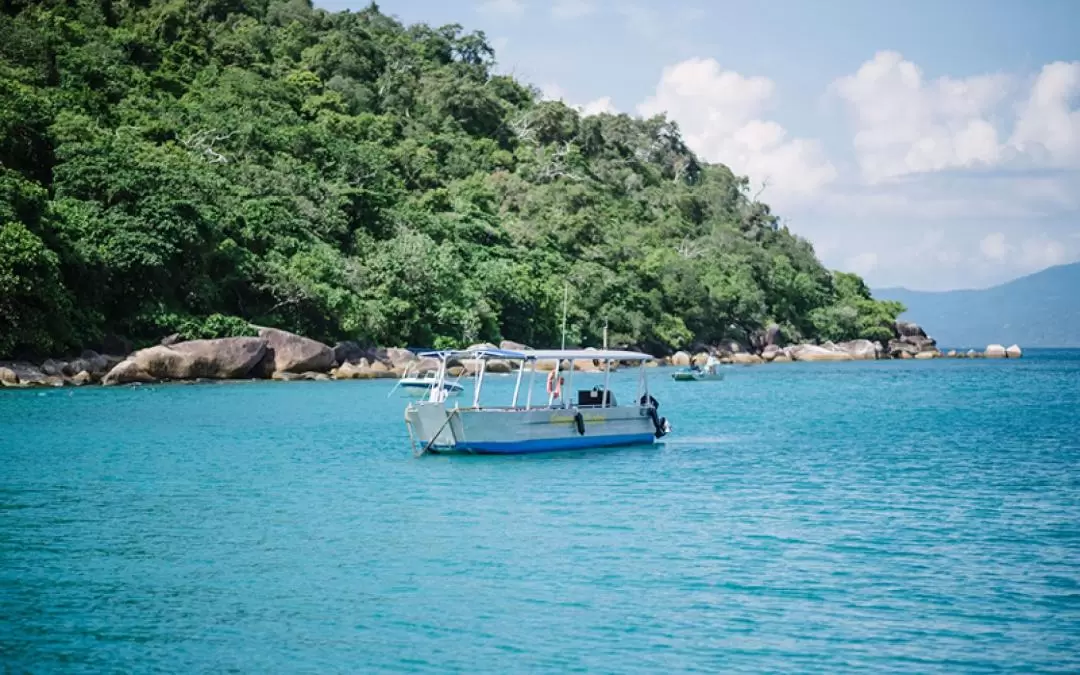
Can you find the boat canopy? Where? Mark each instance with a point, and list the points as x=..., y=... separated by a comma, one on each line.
x=541, y=354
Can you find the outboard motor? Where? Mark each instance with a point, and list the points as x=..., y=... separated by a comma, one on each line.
x=660, y=424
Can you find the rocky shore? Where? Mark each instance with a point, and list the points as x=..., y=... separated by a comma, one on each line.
x=280, y=355
x=909, y=341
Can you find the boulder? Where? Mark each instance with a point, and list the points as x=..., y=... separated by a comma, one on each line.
x=428, y=365
x=745, y=359
x=782, y=357
x=770, y=353
x=972, y=354
x=1014, y=352
x=927, y=355
x=455, y=371
x=81, y=378
x=700, y=359
x=8, y=378
x=399, y=358
x=353, y=371
x=27, y=374
x=291, y=353
x=481, y=345
x=680, y=358
x=904, y=329
x=314, y=377
x=92, y=362
x=348, y=352
x=898, y=349
x=126, y=372
x=170, y=340
x=500, y=366
x=921, y=344
x=220, y=359
x=995, y=352
x=951, y=354
x=53, y=367
x=511, y=346
x=53, y=381
x=861, y=350
x=817, y=353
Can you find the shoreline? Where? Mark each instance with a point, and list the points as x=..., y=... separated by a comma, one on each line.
x=277, y=355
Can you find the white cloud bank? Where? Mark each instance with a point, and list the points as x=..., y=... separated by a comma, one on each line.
x=721, y=115
x=510, y=8
x=956, y=181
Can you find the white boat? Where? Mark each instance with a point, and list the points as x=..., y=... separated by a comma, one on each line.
x=421, y=384
x=591, y=418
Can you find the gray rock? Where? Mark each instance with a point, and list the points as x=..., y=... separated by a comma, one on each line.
x=220, y=359
x=905, y=329
x=293, y=353
x=170, y=340
x=826, y=352
x=348, y=352
x=126, y=372
x=27, y=373
x=54, y=367
x=861, y=350
x=8, y=378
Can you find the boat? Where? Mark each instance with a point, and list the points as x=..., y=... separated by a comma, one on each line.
x=591, y=418
x=422, y=383
x=711, y=371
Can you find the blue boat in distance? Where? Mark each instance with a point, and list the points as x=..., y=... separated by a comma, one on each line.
x=591, y=418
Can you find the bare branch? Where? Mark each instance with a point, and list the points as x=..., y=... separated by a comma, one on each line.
x=202, y=142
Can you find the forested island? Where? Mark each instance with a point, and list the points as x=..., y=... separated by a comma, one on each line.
x=204, y=167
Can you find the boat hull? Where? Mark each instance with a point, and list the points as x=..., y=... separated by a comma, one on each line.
x=518, y=431
x=546, y=445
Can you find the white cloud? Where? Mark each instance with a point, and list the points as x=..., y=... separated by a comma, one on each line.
x=1041, y=252
x=1048, y=127
x=906, y=125
x=862, y=264
x=600, y=105
x=993, y=246
x=512, y=8
x=572, y=9
x=719, y=112
x=553, y=92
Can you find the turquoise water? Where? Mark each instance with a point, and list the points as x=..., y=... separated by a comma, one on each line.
x=892, y=516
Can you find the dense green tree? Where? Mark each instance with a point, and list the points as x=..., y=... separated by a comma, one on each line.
x=198, y=166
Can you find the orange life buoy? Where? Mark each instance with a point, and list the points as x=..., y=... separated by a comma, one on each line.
x=554, y=386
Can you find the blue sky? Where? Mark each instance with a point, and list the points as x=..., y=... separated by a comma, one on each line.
x=932, y=145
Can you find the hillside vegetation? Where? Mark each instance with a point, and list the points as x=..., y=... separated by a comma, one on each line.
x=199, y=165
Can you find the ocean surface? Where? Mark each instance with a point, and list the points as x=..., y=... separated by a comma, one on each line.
x=851, y=517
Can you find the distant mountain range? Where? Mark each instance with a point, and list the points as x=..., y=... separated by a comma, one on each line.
x=1039, y=310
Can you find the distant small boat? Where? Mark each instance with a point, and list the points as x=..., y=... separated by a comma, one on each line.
x=711, y=371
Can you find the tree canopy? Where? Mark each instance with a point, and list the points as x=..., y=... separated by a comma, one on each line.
x=199, y=165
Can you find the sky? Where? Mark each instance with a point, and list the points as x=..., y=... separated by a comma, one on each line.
x=931, y=145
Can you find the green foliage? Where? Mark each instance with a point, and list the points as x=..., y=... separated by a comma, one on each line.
x=854, y=314
x=34, y=305
x=198, y=166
